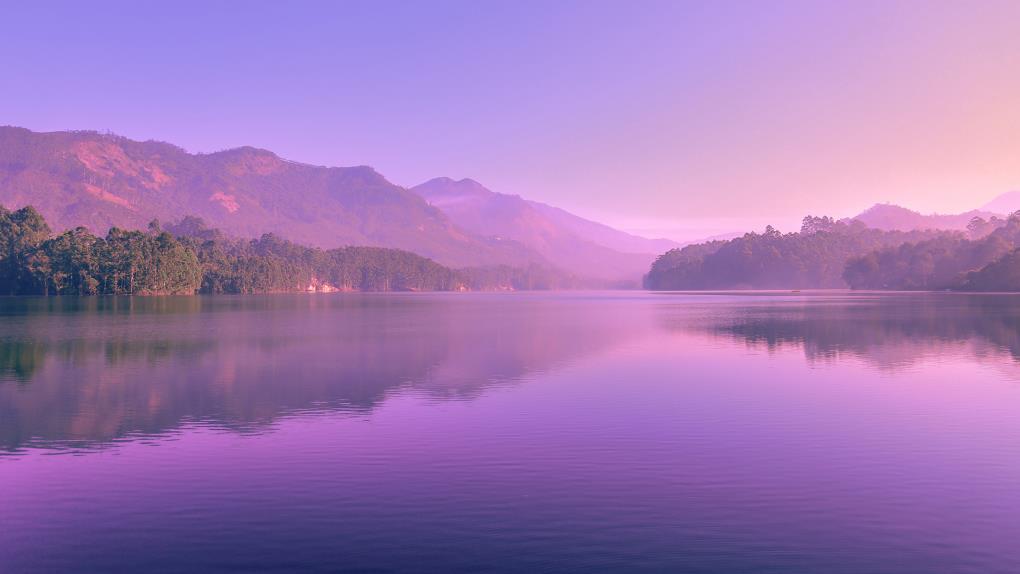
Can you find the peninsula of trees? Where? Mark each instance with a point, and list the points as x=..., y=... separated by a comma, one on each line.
x=188, y=257
x=828, y=254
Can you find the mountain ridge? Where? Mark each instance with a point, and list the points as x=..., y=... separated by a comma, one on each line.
x=1004, y=203
x=889, y=216
x=98, y=181
x=568, y=241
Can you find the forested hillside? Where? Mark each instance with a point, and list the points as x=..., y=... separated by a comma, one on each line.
x=99, y=181
x=982, y=260
x=814, y=257
x=828, y=254
x=189, y=257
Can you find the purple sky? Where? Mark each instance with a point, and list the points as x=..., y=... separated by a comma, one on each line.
x=687, y=117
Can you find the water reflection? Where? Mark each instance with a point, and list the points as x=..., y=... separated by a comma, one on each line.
x=888, y=331
x=511, y=433
x=76, y=373
x=79, y=373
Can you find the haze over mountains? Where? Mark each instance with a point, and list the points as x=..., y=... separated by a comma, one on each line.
x=98, y=181
x=890, y=217
x=568, y=241
x=1006, y=203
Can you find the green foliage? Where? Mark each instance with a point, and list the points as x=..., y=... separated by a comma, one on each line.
x=812, y=258
x=834, y=254
x=271, y=264
x=1003, y=274
x=125, y=262
x=189, y=257
x=946, y=262
x=21, y=232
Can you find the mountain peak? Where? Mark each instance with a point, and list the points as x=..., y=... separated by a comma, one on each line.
x=446, y=190
x=444, y=181
x=889, y=216
x=572, y=242
x=245, y=151
x=1005, y=204
x=887, y=209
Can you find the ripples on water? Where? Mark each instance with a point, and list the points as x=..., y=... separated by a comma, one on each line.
x=582, y=432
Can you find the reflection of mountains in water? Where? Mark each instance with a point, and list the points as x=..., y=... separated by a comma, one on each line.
x=78, y=372
x=887, y=330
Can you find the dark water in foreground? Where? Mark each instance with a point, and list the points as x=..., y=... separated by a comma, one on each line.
x=503, y=433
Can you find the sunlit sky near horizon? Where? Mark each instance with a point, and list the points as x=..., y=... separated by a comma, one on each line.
x=684, y=118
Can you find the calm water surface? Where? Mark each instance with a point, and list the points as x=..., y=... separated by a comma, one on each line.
x=584, y=432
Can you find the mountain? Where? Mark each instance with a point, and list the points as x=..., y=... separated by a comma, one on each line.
x=888, y=217
x=1006, y=203
x=566, y=240
x=98, y=181
x=813, y=258
x=602, y=234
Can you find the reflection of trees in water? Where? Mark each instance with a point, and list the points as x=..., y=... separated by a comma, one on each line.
x=38, y=327
x=81, y=376
x=21, y=358
x=887, y=330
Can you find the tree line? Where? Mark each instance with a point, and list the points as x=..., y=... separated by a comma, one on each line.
x=826, y=253
x=983, y=259
x=188, y=257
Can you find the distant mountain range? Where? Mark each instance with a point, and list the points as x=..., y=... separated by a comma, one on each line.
x=98, y=181
x=1005, y=204
x=568, y=241
x=891, y=217
x=95, y=180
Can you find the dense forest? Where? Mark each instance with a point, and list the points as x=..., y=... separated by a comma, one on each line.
x=812, y=258
x=189, y=257
x=984, y=259
x=826, y=253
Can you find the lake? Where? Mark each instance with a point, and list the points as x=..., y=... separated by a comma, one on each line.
x=526, y=432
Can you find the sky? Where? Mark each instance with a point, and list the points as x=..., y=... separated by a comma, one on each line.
x=673, y=118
